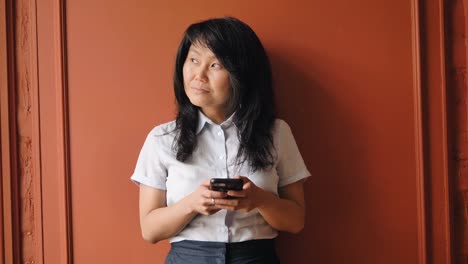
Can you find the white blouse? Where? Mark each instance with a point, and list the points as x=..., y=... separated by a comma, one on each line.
x=214, y=157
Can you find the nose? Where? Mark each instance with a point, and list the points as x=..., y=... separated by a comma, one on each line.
x=200, y=74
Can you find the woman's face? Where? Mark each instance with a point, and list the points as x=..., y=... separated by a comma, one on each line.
x=206, y=81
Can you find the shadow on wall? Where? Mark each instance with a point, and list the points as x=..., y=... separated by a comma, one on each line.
x=326, y=134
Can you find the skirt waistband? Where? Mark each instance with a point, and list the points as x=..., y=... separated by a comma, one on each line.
x=205, y=248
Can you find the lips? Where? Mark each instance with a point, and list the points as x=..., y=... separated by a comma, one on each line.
x=199, y=90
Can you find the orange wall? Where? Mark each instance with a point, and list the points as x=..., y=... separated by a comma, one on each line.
x=344, y=81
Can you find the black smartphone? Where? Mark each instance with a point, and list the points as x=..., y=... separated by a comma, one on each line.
x=224, y=185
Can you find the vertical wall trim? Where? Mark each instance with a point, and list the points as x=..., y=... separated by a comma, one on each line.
x=438, y=199
x=417, y=92
x=22, y=220
x=53, y=94
x=9, y=199
x=28, y=135
x=442, y=201
x=63, y=126
x=4, y=155
x=433, y=185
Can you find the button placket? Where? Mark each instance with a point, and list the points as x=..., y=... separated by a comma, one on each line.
x=222, y=151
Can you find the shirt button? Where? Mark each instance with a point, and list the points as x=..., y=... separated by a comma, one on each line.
x=221, y=157
x=220, y=133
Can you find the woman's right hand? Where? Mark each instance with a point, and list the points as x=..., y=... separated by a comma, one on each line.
x=205, y=201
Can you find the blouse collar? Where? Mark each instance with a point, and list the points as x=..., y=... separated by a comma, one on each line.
x=203, y=119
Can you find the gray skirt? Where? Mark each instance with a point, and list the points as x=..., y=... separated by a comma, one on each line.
x=200, y=252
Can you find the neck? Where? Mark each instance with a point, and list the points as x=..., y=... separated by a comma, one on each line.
x=217, y=117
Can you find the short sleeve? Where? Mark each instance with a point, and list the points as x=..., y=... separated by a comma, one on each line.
x=150, y=169
x=290, y=165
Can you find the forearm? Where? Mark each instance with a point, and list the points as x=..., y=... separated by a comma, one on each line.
x=165, y=222
x=281, y=214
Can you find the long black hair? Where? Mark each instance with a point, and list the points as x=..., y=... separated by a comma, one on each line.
x=242, y=54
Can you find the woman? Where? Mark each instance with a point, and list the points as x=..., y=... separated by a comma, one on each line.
x=225, y=128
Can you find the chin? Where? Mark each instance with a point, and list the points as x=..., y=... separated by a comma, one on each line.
x=199, y=103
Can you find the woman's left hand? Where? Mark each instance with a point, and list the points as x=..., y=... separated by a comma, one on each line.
x=250, y=197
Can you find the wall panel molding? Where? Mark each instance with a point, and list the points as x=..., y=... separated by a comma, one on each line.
x=28, y=141
x=10, y=250
x=35, y=222
x=456, y=12
x=58, y=247
x=419, y=151
x=434, y=124
x=434, y=194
